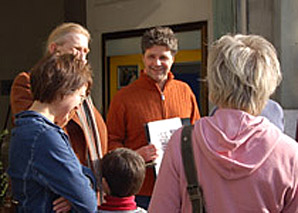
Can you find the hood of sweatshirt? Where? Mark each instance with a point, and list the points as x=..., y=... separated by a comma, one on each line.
x=236, y=143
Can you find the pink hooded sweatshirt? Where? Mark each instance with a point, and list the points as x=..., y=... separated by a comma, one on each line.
x=244, y=164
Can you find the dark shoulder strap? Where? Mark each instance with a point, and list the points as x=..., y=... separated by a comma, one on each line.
x=193, y=188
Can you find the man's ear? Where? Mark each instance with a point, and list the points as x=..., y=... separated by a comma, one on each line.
x=52, y=47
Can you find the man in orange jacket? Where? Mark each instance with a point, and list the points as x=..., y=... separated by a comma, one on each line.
x=156, y=95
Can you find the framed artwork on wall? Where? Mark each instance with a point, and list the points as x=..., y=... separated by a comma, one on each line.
x=126, y=75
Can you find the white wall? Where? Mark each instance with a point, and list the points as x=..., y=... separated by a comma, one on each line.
x=118, y=15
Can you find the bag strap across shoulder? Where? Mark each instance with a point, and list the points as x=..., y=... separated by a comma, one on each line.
x=193, y=187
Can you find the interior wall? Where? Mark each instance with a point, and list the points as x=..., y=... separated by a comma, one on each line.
x=110, y=16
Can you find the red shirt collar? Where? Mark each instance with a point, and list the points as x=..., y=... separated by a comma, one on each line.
x=118, y=203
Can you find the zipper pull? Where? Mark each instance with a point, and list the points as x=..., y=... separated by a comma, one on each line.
x=163, y=97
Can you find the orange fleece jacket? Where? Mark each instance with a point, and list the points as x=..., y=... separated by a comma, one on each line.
x=141, y=102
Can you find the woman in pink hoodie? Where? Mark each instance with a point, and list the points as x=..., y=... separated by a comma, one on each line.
x=244, y=163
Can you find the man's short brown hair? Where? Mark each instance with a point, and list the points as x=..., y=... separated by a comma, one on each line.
x=124, y=171
x=160, y=36
x=55, y=76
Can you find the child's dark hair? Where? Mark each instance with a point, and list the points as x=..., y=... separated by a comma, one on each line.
x=124, y=171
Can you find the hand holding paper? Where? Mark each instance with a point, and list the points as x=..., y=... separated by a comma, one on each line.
x=148, y=152
x=158, y=133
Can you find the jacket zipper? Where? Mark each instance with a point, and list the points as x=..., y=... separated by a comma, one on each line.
x=163, y=98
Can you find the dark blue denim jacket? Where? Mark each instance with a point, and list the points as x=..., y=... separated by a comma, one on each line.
x=43, y=167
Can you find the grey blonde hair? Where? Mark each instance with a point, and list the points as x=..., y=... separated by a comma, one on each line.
x=58, y=34
x=243, y=71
